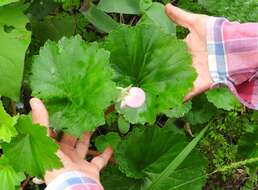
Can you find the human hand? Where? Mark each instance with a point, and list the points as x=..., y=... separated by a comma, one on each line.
x=197, y=45
x=72, y=151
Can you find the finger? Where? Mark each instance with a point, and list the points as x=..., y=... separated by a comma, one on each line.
x=82, y=145
x=180, y=17
x=64, y=158
x=39, y=112
x=102, y=160
x=68, y=140
x=40, y=115
x=189, y=96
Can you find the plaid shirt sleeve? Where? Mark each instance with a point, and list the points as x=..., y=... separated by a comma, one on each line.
x=73, y=180
x=233, y=58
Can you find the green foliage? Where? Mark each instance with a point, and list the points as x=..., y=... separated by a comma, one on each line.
x=179, y=111
x=155, y=14
x=74, y=80
x=220, y=142
x=123, y=125
x=7, y=129
x=5, y=2
x=248, y=143
x=159, y=180
x=202, y=111
x=14, y=41
x=100, y=19
x=67, y=4
x=113, y=179
x=242, y=10
x=121, y=6
x=222, y=98
x=10, y=179
x=27, y=153
x=146, y=57
x=38, y=9
x=149, y=158
x=78, y=82
x=53, y=28
x=111, y=139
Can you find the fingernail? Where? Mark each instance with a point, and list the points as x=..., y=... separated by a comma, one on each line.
x=34, y=102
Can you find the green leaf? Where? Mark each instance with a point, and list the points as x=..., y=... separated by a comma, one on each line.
x=148, y=151
x=10, y=179
x=179, y=111
x=123, y=125
x=5, y=2
x=74, y=80
x=176, y=162
x=223, y=99
x=113, y=179
x=103, y=141
x=7, y=129
x=121, y=6
x=157, y=62
x=32, y=150
x=201, y=112
x=53, y=28
x=14, y=40
x=100, y=19
x=153, y=145
x=156, y=14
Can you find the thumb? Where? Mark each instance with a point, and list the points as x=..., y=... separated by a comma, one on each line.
x=180, y=17
x=40, y=115
x=39, y=112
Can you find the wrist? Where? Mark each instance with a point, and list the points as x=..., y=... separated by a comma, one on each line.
x=72, y=178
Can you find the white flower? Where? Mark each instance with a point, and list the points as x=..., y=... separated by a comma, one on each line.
x=134, y=98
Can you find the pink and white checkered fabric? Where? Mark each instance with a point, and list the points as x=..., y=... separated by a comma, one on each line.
x=233, y=58
x=73, y=180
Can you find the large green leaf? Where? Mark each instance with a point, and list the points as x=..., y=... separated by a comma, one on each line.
x=7, y=129
x=32, y=150
x=113, y=179
x=156, y=14
x=153, y=145
x=121, y=6
x=222, y=98
x=74, y=80
x=186, y=178
x=156, y=148
x=100, y=19
x=14, y=40
x=165, y=175
x=146, y=57
x=10, y=179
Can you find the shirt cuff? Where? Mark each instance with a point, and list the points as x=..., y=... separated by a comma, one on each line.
x=244, y=87
x=73, y=180
x=216, y=53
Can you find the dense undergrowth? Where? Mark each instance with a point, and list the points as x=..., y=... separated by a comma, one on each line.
x=78, y=55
